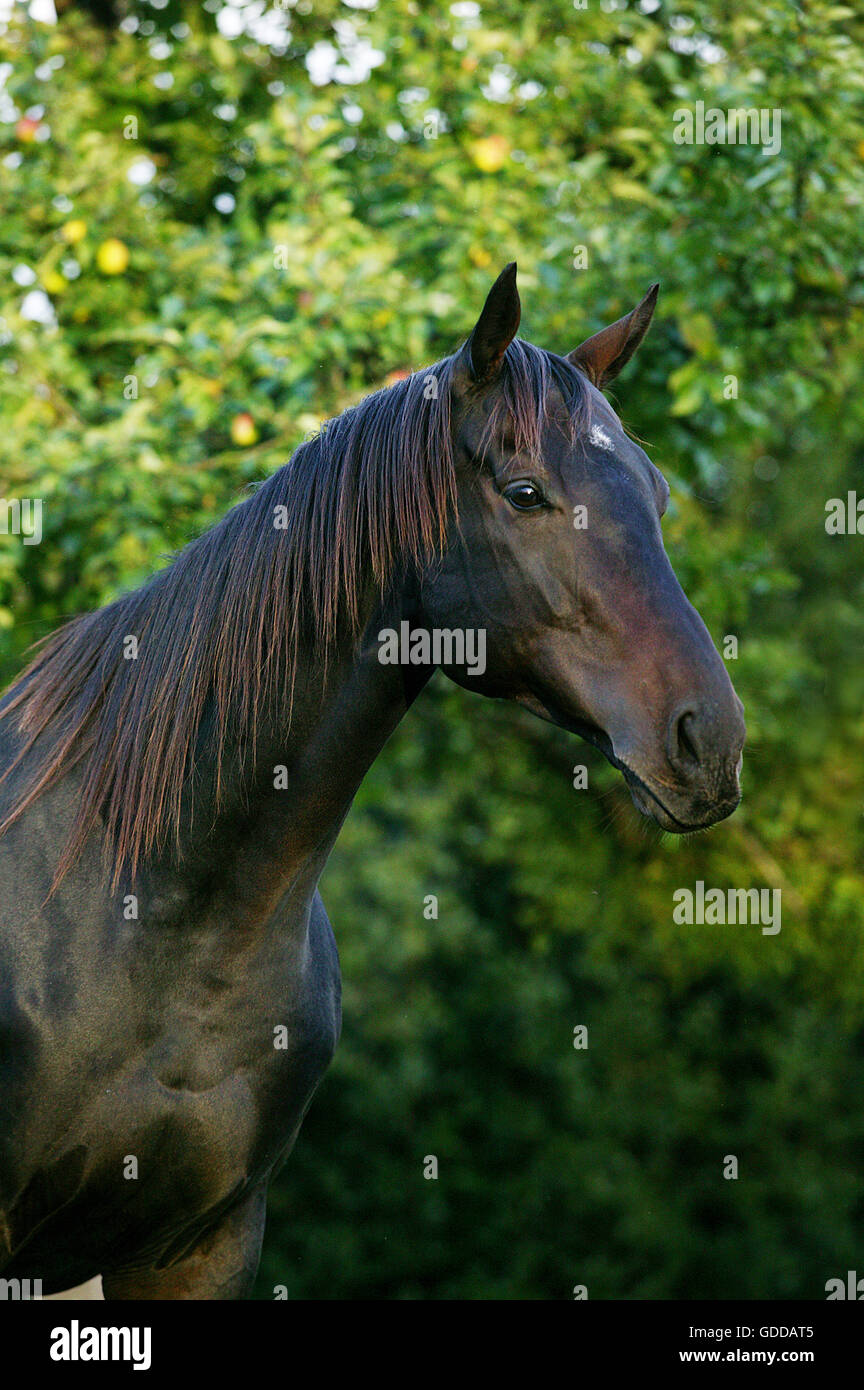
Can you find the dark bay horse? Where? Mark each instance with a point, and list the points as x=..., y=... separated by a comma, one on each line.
x=176, y=768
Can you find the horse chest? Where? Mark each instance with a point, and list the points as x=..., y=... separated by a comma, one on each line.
x=269, y=1019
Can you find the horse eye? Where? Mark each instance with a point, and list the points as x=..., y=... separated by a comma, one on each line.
x=525, y=497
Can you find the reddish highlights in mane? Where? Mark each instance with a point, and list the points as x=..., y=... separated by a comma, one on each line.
x=220, y=631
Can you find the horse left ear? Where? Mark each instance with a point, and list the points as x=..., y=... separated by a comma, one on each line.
x=496, y=327
x=602, y=356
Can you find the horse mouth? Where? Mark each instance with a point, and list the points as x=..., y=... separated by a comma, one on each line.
x=650, y=805
x=644, y=798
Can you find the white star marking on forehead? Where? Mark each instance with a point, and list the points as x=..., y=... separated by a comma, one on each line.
x=600, y=438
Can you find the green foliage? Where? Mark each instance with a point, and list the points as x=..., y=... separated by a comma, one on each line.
x=366, y=219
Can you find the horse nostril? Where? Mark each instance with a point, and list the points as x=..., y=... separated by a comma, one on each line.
x=683, y=738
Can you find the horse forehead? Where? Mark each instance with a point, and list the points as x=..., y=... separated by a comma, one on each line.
x=605, y=442
x=600, y=437
x=605, y=458
x=605, y=431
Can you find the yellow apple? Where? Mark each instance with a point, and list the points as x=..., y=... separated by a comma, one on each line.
x=26, y=129
x=74, y=231
x=112, y=257
x=243, y=431
x=490, y=154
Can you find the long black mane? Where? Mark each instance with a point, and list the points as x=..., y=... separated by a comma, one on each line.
x=223, y=626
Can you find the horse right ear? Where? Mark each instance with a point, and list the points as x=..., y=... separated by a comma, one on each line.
x=602, y=357
x=496, y=327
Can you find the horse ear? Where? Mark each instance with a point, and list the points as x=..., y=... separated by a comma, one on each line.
x=496, y=327
x=602, y=356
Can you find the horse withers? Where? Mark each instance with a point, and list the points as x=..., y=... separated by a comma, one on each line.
x=176, y=768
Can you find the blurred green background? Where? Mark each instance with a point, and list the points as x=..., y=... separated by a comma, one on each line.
x=313, y=197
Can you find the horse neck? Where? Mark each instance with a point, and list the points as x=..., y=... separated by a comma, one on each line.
x=276, y=830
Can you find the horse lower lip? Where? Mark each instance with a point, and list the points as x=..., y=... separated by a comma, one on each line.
x=666, y=820
x=717, y=813
x=649, y=803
